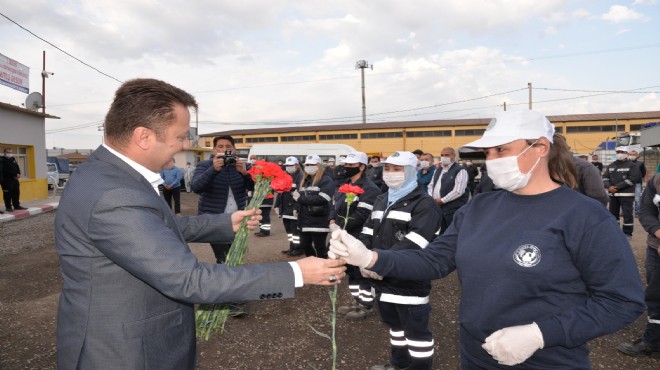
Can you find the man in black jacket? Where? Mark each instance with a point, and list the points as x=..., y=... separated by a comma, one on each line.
x=619, y=179
x=11, y=190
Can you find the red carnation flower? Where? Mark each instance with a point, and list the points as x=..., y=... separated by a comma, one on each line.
x=348, y=189
x=281, y=183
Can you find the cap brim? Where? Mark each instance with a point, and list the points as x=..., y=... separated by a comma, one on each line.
x=491, y=141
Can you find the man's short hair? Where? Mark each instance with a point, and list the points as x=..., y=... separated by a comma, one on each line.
x=429, y=154
x=418, y=152
x=224, y=137
x=375, y=157
x=143, y=102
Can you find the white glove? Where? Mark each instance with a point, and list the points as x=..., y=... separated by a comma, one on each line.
x=334, y=227
x=370, y=274
x=277, y=212
x=352, y=250
x=295, y=195
x=515, y=344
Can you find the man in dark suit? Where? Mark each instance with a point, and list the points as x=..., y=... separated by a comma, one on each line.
x=11, y=187
x=129, y=278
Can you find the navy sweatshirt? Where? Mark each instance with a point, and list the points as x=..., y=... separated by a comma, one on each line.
x=558, y=259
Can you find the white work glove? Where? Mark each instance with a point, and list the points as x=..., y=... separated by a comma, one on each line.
x=334, y=227
x=370, y=274
x=345, y=246
x=295, y=195
x=515, y=344
x=277, y=212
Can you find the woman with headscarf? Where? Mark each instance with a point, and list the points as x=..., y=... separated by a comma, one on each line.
x=405, y=217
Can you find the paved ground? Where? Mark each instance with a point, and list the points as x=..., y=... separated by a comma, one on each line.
x=275, y=335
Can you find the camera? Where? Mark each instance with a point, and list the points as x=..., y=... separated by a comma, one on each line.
x=229, y=157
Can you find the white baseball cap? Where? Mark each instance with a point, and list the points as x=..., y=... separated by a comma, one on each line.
x=342, y=159
x=356, y=157
x=312, y=159
x=508, y=126
x=290, y=161
x=402, y=159
x=331, y=159
x=621, y=149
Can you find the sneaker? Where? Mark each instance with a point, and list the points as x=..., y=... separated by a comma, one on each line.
x=295, y=253
x=360, y=314
x=638, y=348
x=343, y=310
x=387, y=366
x=20, y=208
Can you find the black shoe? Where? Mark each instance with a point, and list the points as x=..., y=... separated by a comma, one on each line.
x=285, y=251
x=295, y=253
x=261, y=234
x=638, y=348
x=9, y=209
x=20, y=208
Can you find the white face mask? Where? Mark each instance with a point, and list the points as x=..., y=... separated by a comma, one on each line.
x=311, y=170
x=253, y=161
x=632, y=157
x=446, y=161
x=506, y=174
x=9, y=155
x=621, y=156
x=394, y=180
x=424, y=164
x=290, y=169
x=375, y=164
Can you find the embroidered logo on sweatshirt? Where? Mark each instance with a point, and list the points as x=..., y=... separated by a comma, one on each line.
x=527, y=255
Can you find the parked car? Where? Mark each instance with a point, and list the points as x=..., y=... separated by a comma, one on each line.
x=53, y=175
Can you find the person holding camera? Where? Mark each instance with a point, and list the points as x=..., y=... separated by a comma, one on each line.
x=314, y=196
x=222, y=183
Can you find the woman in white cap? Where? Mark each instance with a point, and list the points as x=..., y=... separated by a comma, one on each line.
x=543, y=268
x=355, y=165
x=314, y=197
x=403, y=218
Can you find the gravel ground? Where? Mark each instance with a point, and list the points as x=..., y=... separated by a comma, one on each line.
x=275, y=335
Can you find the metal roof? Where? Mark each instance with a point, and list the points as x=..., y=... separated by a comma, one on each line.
x=437, y=123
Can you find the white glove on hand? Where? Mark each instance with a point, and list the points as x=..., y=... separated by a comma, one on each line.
x=345, y=246
x=515, y=344
x=295, y=195
x=370, y=274
x=277, y=211
x=334, y=227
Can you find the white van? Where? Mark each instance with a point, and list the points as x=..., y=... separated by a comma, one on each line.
x=279, y=152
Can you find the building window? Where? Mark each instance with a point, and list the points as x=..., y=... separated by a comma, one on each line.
x=382, y=135
x=238, y=140
x=207, y=143
x=338, y=137
x=299, y=138
x=583, y=129
x=428, y=133
x=268, y=139
x=476, y=132
x=559, y=130
x=636, y=127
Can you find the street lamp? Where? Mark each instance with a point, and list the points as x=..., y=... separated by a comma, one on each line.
x=362, y=64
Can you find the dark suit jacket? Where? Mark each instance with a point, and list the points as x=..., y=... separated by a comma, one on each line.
x=130, y=280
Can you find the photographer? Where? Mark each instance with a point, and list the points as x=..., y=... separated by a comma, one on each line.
x=222, y=183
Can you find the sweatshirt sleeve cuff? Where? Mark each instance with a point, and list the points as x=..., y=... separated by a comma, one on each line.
x=297, y=274
x=552, y=332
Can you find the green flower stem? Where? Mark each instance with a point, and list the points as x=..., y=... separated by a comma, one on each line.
x=211, y=318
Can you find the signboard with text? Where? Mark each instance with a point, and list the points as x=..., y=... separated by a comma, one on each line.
x=15, y=75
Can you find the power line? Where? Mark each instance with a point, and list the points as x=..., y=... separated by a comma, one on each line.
x=58, y=48
x=76, y=127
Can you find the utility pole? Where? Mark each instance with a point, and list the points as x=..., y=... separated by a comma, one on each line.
x=529, y=87
x=505, y=106
x=44, y=76
x=362, y=64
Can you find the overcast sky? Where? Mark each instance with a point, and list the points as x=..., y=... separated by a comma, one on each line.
x=261, y=63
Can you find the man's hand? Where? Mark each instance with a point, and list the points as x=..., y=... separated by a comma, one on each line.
x=345, y=246
x=218, y=162
x=370, y=274
x=515, y=344
x=240, y=166
x=318, y=271
x=295, y=195
x=612, y=189
x=252, y=222
x=439, y=202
